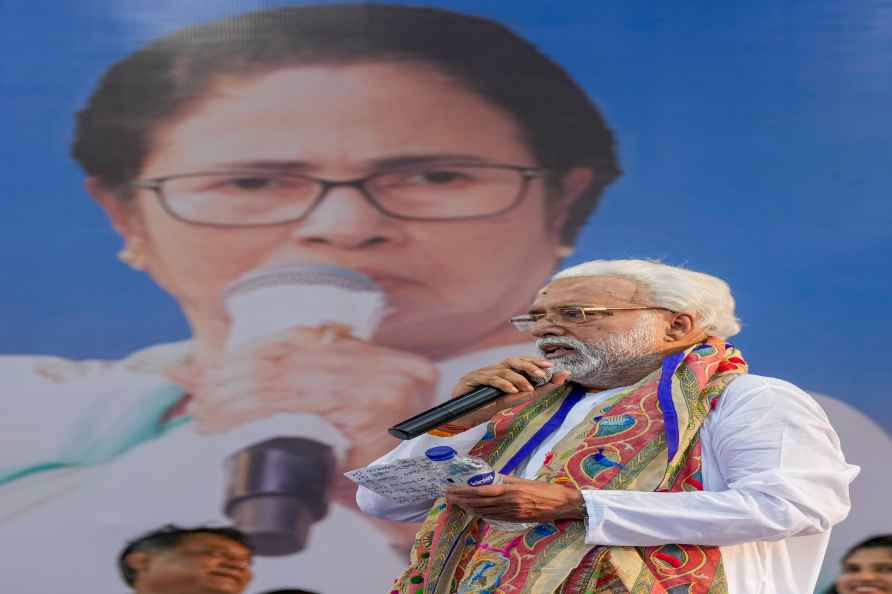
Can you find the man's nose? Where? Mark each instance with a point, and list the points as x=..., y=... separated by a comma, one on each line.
x=233, y=562
x=545, y=327
x=345, y=218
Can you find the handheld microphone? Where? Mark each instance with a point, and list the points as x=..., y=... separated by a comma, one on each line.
x=455, y=408
x=278, y=487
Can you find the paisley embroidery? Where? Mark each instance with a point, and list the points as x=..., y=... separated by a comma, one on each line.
x=597, y=462
x=532, y=537
x=614, y=425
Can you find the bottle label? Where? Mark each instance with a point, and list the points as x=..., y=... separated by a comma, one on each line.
x=482, y=479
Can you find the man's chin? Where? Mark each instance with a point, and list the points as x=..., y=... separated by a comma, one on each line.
x=225, y=584
x=576, y=372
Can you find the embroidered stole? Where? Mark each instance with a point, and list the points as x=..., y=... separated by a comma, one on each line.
x=624, y=443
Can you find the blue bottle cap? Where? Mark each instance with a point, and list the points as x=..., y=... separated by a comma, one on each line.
x=440, y=453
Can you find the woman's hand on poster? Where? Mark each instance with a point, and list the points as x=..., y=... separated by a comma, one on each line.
x=359, y=387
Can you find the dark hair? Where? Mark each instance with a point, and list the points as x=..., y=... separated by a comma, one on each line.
x=168, y=537
x=159, y=82
x=874, y=542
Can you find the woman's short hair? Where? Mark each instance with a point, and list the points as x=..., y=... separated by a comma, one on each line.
x=159, y=82
x=707, y=297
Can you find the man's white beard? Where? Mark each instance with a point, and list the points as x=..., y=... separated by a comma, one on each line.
x=623, y=358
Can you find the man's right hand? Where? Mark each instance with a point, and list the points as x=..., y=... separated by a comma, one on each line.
x=511, y=377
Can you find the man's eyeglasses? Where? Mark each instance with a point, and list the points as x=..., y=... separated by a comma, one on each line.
x=430, y=192
x=568, y=315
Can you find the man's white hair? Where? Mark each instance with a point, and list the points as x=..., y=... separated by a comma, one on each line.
x=706, y=297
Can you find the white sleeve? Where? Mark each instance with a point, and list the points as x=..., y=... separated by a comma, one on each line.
x=382, y=507
x=65, y=413
x=777, y=471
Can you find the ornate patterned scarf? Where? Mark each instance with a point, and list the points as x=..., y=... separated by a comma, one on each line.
x=624, y=443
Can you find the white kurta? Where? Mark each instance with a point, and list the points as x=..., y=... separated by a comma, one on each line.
x=774, y=476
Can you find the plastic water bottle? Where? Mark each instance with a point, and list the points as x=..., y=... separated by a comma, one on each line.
x=461, y=471
x=468, y=471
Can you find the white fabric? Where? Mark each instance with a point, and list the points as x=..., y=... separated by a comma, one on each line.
x=61, y=530
x=775, y=481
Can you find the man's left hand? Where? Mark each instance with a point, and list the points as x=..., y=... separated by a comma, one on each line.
x=520, y=500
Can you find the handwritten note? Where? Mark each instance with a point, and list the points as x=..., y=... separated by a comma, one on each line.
x=405, y=481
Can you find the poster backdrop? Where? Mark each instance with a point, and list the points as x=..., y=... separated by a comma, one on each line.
x=753, y=142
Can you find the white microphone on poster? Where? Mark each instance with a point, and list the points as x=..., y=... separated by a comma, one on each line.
x=277, y=487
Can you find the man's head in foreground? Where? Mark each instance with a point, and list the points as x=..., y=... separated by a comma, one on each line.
x=175, y=560
x=610, y=322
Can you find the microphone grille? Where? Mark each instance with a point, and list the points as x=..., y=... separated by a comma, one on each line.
x=541, y=381
x=330, y=276
x=267, y=300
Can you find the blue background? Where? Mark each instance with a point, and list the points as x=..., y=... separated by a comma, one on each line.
x=755, y=140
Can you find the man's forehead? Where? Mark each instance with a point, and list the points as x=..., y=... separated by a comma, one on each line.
x=210, y=539
x=598, y=290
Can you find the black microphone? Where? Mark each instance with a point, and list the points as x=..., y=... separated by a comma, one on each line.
x=455, y=408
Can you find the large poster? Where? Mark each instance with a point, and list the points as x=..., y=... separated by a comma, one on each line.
x=324, y=214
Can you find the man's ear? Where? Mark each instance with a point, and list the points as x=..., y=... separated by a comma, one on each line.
x=681, y=326
x=119, y=212
x=569, y=187
x=138, y=561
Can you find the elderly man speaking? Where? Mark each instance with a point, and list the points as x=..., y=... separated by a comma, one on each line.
x=652, y=462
